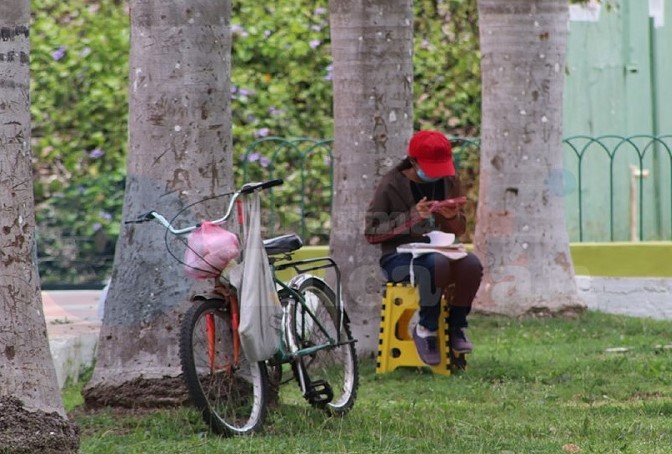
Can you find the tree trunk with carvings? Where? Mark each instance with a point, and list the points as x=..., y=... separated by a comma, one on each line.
x=372, y=48
x=30, y=399
x=520, y=231
x=179, y=153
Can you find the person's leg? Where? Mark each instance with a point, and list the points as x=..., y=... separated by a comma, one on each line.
x=465, y=274
x=397, y=269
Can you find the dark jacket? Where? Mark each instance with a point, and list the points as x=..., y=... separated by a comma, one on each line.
x=392, y=219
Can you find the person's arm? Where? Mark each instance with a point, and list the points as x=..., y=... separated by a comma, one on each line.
x=382, y=223
x=451, y=219
x=455, y=222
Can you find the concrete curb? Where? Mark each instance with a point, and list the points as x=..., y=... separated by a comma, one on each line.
x=73, y=354
x=633, y=296
x=73, y=326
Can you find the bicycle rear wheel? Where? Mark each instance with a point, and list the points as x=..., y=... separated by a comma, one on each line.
x=230, y=393
x=332, y=370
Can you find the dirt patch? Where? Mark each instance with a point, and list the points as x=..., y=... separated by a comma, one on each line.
x=23, y=431
x=140, y=392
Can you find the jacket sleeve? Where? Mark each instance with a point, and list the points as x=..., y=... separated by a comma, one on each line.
x=382, y=223
x=456, y=225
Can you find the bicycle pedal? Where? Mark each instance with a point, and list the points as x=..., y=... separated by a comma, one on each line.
x=319, y=393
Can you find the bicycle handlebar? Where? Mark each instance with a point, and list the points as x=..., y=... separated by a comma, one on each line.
x=142, y=218
x=251, y=187
x=246, y=189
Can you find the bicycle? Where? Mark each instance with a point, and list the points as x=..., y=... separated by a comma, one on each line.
x=315, y=340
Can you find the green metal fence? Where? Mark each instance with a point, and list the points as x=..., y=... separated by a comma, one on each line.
x=602, y=203
x=623, y=187
x=306, y=166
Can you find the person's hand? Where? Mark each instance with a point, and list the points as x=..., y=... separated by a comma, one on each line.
x=447, y=212
x=424, y=207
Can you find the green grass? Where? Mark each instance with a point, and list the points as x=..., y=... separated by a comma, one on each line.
x=531, y=386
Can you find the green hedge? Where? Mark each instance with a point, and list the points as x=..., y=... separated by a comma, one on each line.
x=79, y=71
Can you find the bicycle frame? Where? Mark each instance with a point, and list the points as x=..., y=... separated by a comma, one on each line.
x=302, y=267
x=287, y=351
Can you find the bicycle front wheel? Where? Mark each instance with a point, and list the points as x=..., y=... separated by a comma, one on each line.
x=229, y=390
x=320, y=326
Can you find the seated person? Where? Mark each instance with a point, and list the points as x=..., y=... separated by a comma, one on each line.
x=402, y=211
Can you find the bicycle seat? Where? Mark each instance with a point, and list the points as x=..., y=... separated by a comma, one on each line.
x=282, y=244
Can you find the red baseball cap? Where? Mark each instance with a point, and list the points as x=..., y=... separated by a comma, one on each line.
x=433, y=153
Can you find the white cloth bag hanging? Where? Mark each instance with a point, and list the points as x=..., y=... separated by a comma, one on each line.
x=260, y=310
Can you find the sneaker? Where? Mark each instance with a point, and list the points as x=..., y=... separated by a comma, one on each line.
x=428, y=348
x=459, y=342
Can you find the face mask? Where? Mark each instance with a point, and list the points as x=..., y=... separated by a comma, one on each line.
x=423, y=176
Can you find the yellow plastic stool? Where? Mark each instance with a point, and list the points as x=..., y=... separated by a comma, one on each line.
x=396, y=347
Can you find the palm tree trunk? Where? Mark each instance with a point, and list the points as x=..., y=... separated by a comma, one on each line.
x=179, y=153
x=372, y=48
x=520, y=233
x=29, y=395
x=27, y=369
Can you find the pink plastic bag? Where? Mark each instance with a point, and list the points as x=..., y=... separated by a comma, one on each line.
x=209, y=249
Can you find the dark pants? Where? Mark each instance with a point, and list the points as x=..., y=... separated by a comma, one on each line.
x=432, y=274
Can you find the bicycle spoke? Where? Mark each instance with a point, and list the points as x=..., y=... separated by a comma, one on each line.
x=229, y=390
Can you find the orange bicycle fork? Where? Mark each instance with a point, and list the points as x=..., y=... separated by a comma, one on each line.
x=211, y=335
x=233, y=311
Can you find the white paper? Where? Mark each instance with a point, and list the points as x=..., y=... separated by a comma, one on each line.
x=439, y=243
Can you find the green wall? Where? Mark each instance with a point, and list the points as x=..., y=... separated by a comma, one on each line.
x=618, y=72
x=646, y=259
